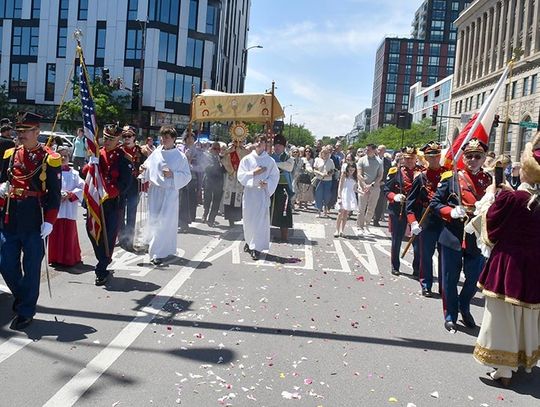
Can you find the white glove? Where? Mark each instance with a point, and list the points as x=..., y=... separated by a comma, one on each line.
x=93, y=160
x=46, y=229
x=458, y=212
x=415, y=228
x=4, y=189
x=399, y=198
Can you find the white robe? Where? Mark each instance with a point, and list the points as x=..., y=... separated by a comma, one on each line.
x=163, y=199
x=71, y=182
x=256, y=200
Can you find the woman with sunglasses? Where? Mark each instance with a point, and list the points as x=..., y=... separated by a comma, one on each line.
x=64, y=248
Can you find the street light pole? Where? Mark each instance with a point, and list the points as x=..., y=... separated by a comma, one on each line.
x=244, y=63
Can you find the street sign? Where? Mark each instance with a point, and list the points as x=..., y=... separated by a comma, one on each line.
x=528, y=125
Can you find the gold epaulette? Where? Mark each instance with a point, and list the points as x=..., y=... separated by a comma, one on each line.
x=446, y=175
x=8, y=153
x=392, y=170
x=54, y=159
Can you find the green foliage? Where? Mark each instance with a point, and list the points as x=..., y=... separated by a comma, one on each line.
x=254, y=129
x=390, y=136
x=327, y=140
x=298, y=135
x=6, y=109
x=110, y=107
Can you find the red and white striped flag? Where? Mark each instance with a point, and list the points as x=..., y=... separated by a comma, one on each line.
x=479, y=126
x=94, y=191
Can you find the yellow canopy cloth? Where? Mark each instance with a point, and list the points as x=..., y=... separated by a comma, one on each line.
x=211, y=106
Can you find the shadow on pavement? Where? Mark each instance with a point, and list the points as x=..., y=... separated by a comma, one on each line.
x=522, y=383
x=76, y=270
x=123, y=284
x=205, y=355
x=63, y=331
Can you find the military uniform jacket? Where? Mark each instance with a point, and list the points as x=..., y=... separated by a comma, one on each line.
x=35, y=191
x=399, y=181
x=135, y=157
x=422, y=192
x=116, y=171
x=473, y=188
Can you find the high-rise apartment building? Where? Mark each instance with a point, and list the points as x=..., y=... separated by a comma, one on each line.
x=175, y=43
x=427, y=57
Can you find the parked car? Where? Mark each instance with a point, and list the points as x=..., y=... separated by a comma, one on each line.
x=67, y=139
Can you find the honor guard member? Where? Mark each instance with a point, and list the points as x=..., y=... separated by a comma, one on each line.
x=130, y=200
x=281, y=204
x=398, y=185
x=454, y=202
x=30, y=192
x=116, y=172
x=422, y=192
x=6, y=140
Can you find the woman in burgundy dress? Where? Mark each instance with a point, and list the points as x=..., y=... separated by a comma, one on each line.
x=510, y=332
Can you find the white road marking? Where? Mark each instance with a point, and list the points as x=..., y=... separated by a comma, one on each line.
x=308, y=253
x=72, y=391
x=12, y=346
x=4, y=288
x=235, y=252
x=345, y=268
x=382, y=250
x=370, y=264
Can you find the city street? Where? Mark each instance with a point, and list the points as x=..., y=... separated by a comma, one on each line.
x=318, y=322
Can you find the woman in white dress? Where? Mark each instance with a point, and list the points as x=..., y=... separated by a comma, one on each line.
x=347, y=201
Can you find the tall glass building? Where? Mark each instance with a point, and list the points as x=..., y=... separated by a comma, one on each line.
x=174, y=43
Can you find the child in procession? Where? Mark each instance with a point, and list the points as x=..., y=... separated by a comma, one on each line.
x=347, y=201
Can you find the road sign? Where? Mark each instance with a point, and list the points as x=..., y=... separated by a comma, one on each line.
x=528, y=125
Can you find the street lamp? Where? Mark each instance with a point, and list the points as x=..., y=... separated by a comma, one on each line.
x=244, y=62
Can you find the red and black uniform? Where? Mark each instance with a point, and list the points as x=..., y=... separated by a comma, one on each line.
x=116, y=172
x=33, y=199
x=399, y=181
x=130, y=199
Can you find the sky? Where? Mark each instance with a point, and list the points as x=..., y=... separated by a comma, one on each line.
x=321, y=54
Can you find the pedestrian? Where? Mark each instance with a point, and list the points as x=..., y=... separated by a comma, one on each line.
x=337, y=157
x=167, y=171
x=347, y=201
x=510, y=332
x=370, y=171
x=304, y=189
x=6, y=139
x=232, y=188
x=187, y=209
x=323, y=168
x=116, y=173
x=427, y=233
x=30, y=190
x=148, y=147
x=283, y=197
x=213, y=184
x=64, y=248
x=259, y=175
x=380, y=209
x=454, y=202
x=130, y=199
x=79, y=150
x=398, y=185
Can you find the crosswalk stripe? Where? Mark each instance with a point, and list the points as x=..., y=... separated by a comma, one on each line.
x=12, y=346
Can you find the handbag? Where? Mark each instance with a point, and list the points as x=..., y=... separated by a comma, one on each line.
x=304, y=178
x=315, y=182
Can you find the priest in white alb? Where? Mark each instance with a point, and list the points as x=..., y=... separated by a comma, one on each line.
x=167, y=171
x=259, y=175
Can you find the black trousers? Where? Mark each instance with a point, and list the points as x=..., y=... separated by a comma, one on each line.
x=381, y=206
x=212, y=199
x=188, y=203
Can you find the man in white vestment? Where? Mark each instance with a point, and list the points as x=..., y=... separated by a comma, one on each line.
x=259, y=175
x=166, y=171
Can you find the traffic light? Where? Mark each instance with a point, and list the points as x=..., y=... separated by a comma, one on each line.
x=496, y=120
x=434, y=115
x=106, y=77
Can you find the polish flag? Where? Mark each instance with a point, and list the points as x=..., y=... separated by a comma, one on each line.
x=479, y=126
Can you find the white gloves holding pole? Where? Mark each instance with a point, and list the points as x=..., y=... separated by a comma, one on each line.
x=458, y=212
x=399, y=198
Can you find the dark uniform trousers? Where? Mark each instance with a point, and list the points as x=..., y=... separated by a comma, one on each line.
x=130, y=201
x=398, y=228
x=427, y=243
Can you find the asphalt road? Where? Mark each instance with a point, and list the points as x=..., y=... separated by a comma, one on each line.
x=319, y=322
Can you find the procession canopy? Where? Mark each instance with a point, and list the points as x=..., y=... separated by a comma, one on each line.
x=211, y=106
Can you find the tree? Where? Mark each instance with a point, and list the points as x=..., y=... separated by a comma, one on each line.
x=298, y=135
x=7, y=109
x=391, y=136
x=110, y=107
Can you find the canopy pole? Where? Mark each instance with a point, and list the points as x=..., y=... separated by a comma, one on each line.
x=191, y=105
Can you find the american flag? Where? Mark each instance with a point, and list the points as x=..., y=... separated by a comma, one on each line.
x=94, y=192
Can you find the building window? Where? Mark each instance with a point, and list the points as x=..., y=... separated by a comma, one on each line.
x=167, y=47
x=134, y=44
x=178, y=87
x=526, y=86
x=49, y=82
x=193, y=12
x=18, y=81
x=211, y=19
x=101, y=37
x=83, y=10
x=514, y=88
x=133, y=7
x=194, y=53
x=64, y=9
x=478, y=100
x=62, y=42
x=11, y=8
x=164, y=11
x=25, y=41
x=534, y=80
x=36, y=9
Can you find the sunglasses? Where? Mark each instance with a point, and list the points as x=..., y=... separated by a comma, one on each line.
x=473, y=156
x=128, y=136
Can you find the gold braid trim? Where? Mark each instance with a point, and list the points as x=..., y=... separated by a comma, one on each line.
x=505, y=298
x=492, y=357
